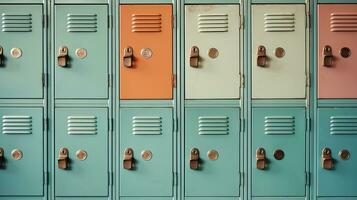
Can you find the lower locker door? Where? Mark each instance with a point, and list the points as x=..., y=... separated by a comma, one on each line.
x=146, y=152
x=212, y=152
x=337, y=131
x=278, y=152
x=21, y=143
x=81, y=150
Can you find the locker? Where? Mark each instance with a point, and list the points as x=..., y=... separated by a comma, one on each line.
x=146, y=152
x=146, y=52
x=81, y=152
x=21, y=61
x=278, y=152
x=212, y=152
x=279, y=51
x=212, y=51
x=337, y=36
x=81, y=51
x=21, y=151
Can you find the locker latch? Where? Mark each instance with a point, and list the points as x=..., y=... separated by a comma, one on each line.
x=62, y=58
x=328, y=57
x=1, y=56
x=195, y=159
x=63, y=158
x=2, y=158
x=128, y=57
x=326, y=160
x=128, y=161
x=261, y=159
x=262, y=57
x=194, y=56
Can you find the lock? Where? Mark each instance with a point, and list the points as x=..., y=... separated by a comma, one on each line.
x=1, y=56
x=146, y=155
x=128, y=161
x=280, y=52
x=213, y=53
x=345, y=52
x=2, y=158
x=194, y=57
x=16, y=154
x=212, y=154
x=262, y=57
x=344, y=154
x=128, y=57
x=63, y=159
x=261, y=159
x=326, y=159
x=195, y=159
x=62, y=59
x=328, y=57
x=279, y=154
x=81, y=155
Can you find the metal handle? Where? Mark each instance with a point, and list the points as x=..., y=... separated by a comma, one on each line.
x=328, y=57
x=261, y=159
x=63, y=159
x=326, y=159
x=62, y=59
x=194, y=159
x=128, y=160
x=194, y=57
x=1, y=56
x=2, y=158
x=128, y=57
x=262, y=57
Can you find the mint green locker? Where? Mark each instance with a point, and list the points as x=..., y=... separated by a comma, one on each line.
x=81, y=152
x=278, y=152
x=21, y=51
x=81, y=51
x=212, y=152
x=146, y=152
x=21, y=151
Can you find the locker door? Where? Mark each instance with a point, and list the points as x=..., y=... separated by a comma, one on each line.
x=213, y=170
x=337, y=58
x=81, y=51
x=81, y=150
x=337, y=131
x=214, y=31
x=21, y=61
x=278, y=152
x=148, y=170
x=279, y=51
x=146, y=52
x=21, y=143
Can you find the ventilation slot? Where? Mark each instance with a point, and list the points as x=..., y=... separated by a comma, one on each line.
x=16, y=23
x=208, y=23
x=147, y=125
x=82, y=125
x=343, y=125
x=279, y=125
x=146, y=23
x=82, y=23
x=213, y=125
x=279, y=22
x=12, y=124
x=343, y=22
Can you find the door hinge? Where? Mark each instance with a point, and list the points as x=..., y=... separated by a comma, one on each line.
x=241, y=179
x=110, y=178
x=174, y=21
x=46, y=178
x=174, y=80
x=174, y=178
x=308, y=19
x=175, y=124
x=241, y=24
x=109, y=80
x=308, y=80
x=45, y=124
x=44, y=21
x=307, y=178
x=242, y=80
x=44, y=79
x=110, y=21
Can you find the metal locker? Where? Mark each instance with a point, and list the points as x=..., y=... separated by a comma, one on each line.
x=21, y=152
x=146, y=52
x=278, y=152
x=212, y=51
x=279, y=51
x=146, y=152
x=81, y=51
x=21, y=59
x=212, y=152
x=81, y=152
x=337, y=36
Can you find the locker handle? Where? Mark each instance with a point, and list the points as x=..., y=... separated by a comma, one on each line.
x=128, y=161
x=1, y=56
x=194, y=159
x=194, y=56
x=262, y=57
x=261, y=158
x=63, y=159
x=326, y=159
x=128, y=57
x=328, y=57
x=62, y=59
x=2, y=158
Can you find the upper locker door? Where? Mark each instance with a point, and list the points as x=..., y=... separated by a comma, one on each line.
x=337, y=51
x=81, y=51
x=278, y=51
x=146, y=52
x=212, y=51
x=21, y=51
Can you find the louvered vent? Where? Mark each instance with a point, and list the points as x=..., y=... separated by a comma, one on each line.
x=207, y=23
x=82, y=125
x=343, y=22
x=16, y=124
x=82, y=23
x=16, y=22
x=279, y=125
x=343, y=125
x=146, y=23
x=213, y=125
x=279, y=22
x=147, y=125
